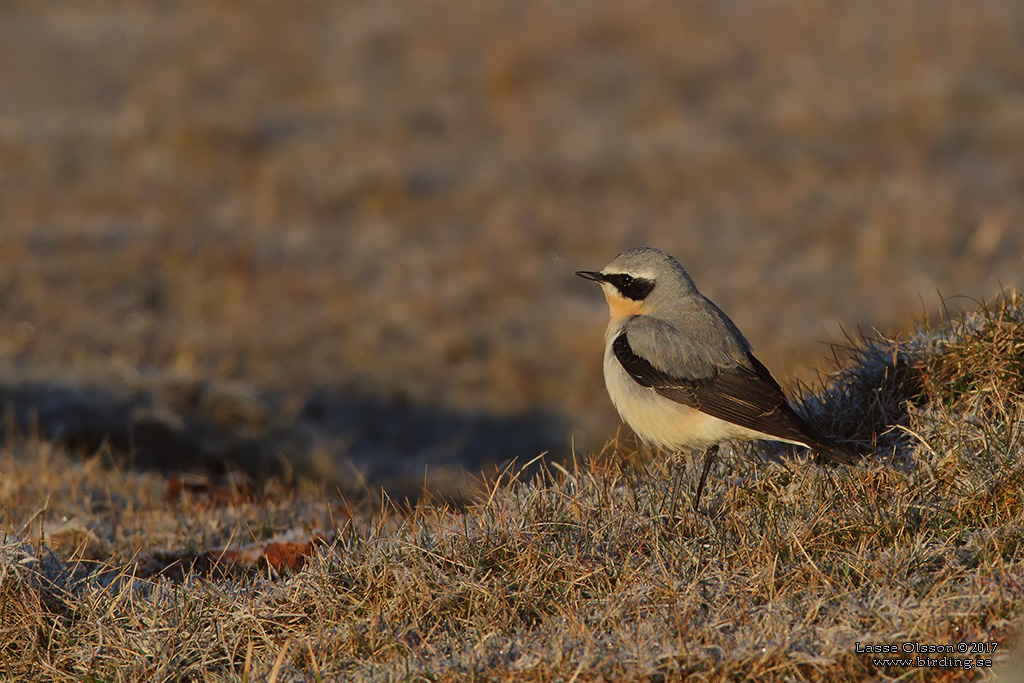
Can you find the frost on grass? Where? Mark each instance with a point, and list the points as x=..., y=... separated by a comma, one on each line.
x=582, y=571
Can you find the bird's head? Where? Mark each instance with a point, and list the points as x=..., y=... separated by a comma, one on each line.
x=641, y=280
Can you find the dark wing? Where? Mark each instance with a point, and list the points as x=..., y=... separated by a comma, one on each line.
x=749, y=397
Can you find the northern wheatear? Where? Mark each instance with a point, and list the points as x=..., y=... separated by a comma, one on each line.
x=680, y=373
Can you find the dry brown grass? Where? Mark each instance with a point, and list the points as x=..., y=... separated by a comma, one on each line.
x=335, y=239
x=576, y=572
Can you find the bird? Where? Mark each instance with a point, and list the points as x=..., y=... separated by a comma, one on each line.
x=682, y=375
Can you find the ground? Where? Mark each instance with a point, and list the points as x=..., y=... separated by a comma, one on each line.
x=260, y=262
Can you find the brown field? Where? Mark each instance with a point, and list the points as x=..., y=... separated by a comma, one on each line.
x=369, y=209
x=331, y=246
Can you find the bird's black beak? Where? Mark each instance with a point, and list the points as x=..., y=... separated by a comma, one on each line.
x=591, y=275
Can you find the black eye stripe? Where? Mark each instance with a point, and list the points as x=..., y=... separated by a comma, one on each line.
x=635, y=288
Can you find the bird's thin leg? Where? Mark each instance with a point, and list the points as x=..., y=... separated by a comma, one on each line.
x=677, y=465
x=709, y=457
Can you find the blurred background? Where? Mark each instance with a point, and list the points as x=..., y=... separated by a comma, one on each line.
x=338, y=238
